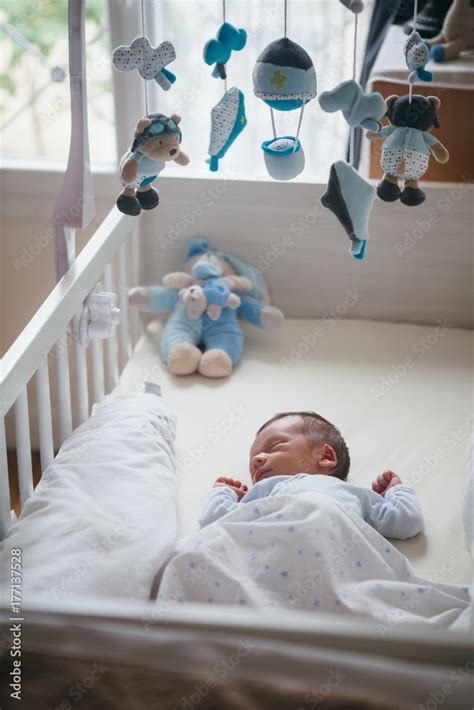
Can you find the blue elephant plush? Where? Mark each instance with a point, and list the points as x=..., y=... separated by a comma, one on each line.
x=203, y=333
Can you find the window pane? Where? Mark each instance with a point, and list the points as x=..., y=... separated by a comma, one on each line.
x=41, y=130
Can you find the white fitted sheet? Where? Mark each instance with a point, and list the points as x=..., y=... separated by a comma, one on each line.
x=401, y=395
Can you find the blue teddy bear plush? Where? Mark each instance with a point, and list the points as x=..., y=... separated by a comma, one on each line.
x=206, y=344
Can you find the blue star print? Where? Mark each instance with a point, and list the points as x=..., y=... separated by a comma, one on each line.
x=388, y=550
x=359, y=563
x=291, y=528
x=279, y=516
x=284, y=573
x=217, y=584
x=300, y=552
x=316, y=603
x=256, y=510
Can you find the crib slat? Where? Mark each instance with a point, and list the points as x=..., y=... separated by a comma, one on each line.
x=80, y=371
x=134, y=277
x=63, y=387
x=23, y=446
x=97, y=370
x=5, y=511
x=45, y=427
x=111, y=343
x=125, y=350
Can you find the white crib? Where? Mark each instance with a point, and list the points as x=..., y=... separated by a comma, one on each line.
x=110, y=254
x=294, y=650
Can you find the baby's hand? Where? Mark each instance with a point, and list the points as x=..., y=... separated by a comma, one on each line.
x=385, y=481
x=237, y=486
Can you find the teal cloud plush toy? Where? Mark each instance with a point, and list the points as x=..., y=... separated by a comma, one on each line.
x=204, y=344
x=217, y=51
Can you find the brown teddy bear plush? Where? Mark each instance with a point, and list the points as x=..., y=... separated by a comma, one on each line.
x=157, y=141
x=407, y=146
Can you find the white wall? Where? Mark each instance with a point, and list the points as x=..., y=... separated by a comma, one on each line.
x=418, y=265
x=27, y=254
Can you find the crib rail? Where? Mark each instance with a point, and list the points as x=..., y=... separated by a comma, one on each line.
x=46, y=335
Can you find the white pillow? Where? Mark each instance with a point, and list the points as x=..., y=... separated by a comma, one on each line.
x=102, y=520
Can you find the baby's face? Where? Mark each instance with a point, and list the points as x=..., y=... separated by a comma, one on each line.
x=281, y=449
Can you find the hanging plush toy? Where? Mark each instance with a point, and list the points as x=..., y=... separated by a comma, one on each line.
x=210, y=344
x=349, y=196
x=357, y=107
x=149, y=61
x=218, y=51
x=228, y=118
x=156, y=141
x=407, y=146
x=284, y=77
x=417, y=56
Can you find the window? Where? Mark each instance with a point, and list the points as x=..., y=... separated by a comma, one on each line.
x=34, y=88
x=34, y=85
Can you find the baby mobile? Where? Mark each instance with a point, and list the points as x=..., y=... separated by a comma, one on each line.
x=284, y=77
x=407, y=143
x=157, y=138
x=348, y=195
x=228, y=118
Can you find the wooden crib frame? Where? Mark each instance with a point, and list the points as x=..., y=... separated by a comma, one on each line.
x=116, y=240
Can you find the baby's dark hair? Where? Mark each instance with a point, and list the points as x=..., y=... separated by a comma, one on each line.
x=320, y=431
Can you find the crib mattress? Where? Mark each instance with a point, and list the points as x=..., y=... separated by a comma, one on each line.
x=400, y=394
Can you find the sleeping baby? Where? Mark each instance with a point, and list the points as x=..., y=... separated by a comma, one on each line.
x=299, y=452
x=303, y=538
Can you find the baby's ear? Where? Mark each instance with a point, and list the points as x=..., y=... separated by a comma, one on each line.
x=327, y=458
